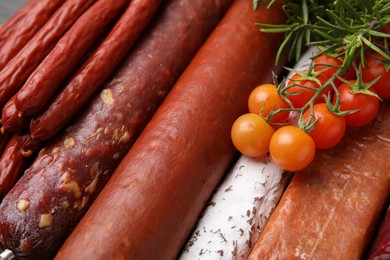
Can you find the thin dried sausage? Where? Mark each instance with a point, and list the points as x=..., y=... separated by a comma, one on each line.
x=69, y=172
x=11, y=119
x=95, y=71
x=66, y=54
x=19, y=68
x=20, y=29
x=164, y=182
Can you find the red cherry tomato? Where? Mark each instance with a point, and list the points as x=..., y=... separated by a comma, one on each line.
x=251, y=135
x=368, y=105
x=329, y=129
x=268, y=96
x=331, y=65
x=373, y=69
x=305, y=90
x=291, y=148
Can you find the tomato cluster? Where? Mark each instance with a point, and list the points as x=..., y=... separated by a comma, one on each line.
x=311, y=111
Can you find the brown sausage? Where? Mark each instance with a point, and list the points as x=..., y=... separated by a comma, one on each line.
x=4, y=138
x=70, y=171
x=94, y=71
x=11, y=119
x=329, y=210
x=154, y=198
x=19, y=68
x=67, y=53
x=380, y=249
x=12, y=165
x=31, y=18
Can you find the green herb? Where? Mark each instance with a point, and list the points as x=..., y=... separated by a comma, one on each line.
x=338, y=27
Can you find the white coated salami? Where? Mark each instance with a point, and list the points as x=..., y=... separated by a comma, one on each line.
x=238, y=211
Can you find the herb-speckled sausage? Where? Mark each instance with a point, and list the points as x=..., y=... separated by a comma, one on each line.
x=62, y=182
x=152, y=202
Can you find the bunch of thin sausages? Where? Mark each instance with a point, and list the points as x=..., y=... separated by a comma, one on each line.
x=116, y=118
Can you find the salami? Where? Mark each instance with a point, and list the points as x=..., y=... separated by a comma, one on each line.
x=23, y=26
x=19, y=68
x=331, y=209
x=380, y=249
x=238, y=211
x=66, y=54
x=70, y=171
x=153, y=200
x=94, y=72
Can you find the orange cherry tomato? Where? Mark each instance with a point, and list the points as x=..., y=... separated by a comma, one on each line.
x=329, y=129
x=251, y=135
x=267, y=96
x=291, y=148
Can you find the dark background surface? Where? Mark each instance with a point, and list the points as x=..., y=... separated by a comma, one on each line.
x=8, y=8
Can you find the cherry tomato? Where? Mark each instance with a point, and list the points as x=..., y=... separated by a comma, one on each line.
x=373, y=69
x=331, y=65
x=268, y=96
x=304, y=94
x=251, y=135
x=291, y=148
x=329, y=129
x=368, y=105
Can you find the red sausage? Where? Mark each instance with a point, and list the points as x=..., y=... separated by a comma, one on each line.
x=11, y=119
x=25, y=24
x=19, y=68
x=15, y=20
x=69, y=172
x=380, y=249
x=12, y=165
x=153, y=200
x=95, y=71
x=67, y=53
x=4, y=138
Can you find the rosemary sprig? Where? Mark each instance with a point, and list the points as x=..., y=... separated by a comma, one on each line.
x=349, y=27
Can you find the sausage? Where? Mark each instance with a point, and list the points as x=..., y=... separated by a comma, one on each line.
x=153, y=200
x=15, y=20
x=11, y=119
x=4, y=138
x=238, y=211
x=96, y=141
x=19, y=68
x=24, y=26
x=380, y=249
x=329, y=210
x=95, y=71
x=66, y=54
x=12, y=165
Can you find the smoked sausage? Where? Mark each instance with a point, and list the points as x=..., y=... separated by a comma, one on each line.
x=23, y=26
x=12, y=164
x=19, y=68
x=69, y=172
x=66, y=54
x=11, y=119
x=380, y=249
x=153, y=200
x=93, y=73
x=330, y=210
